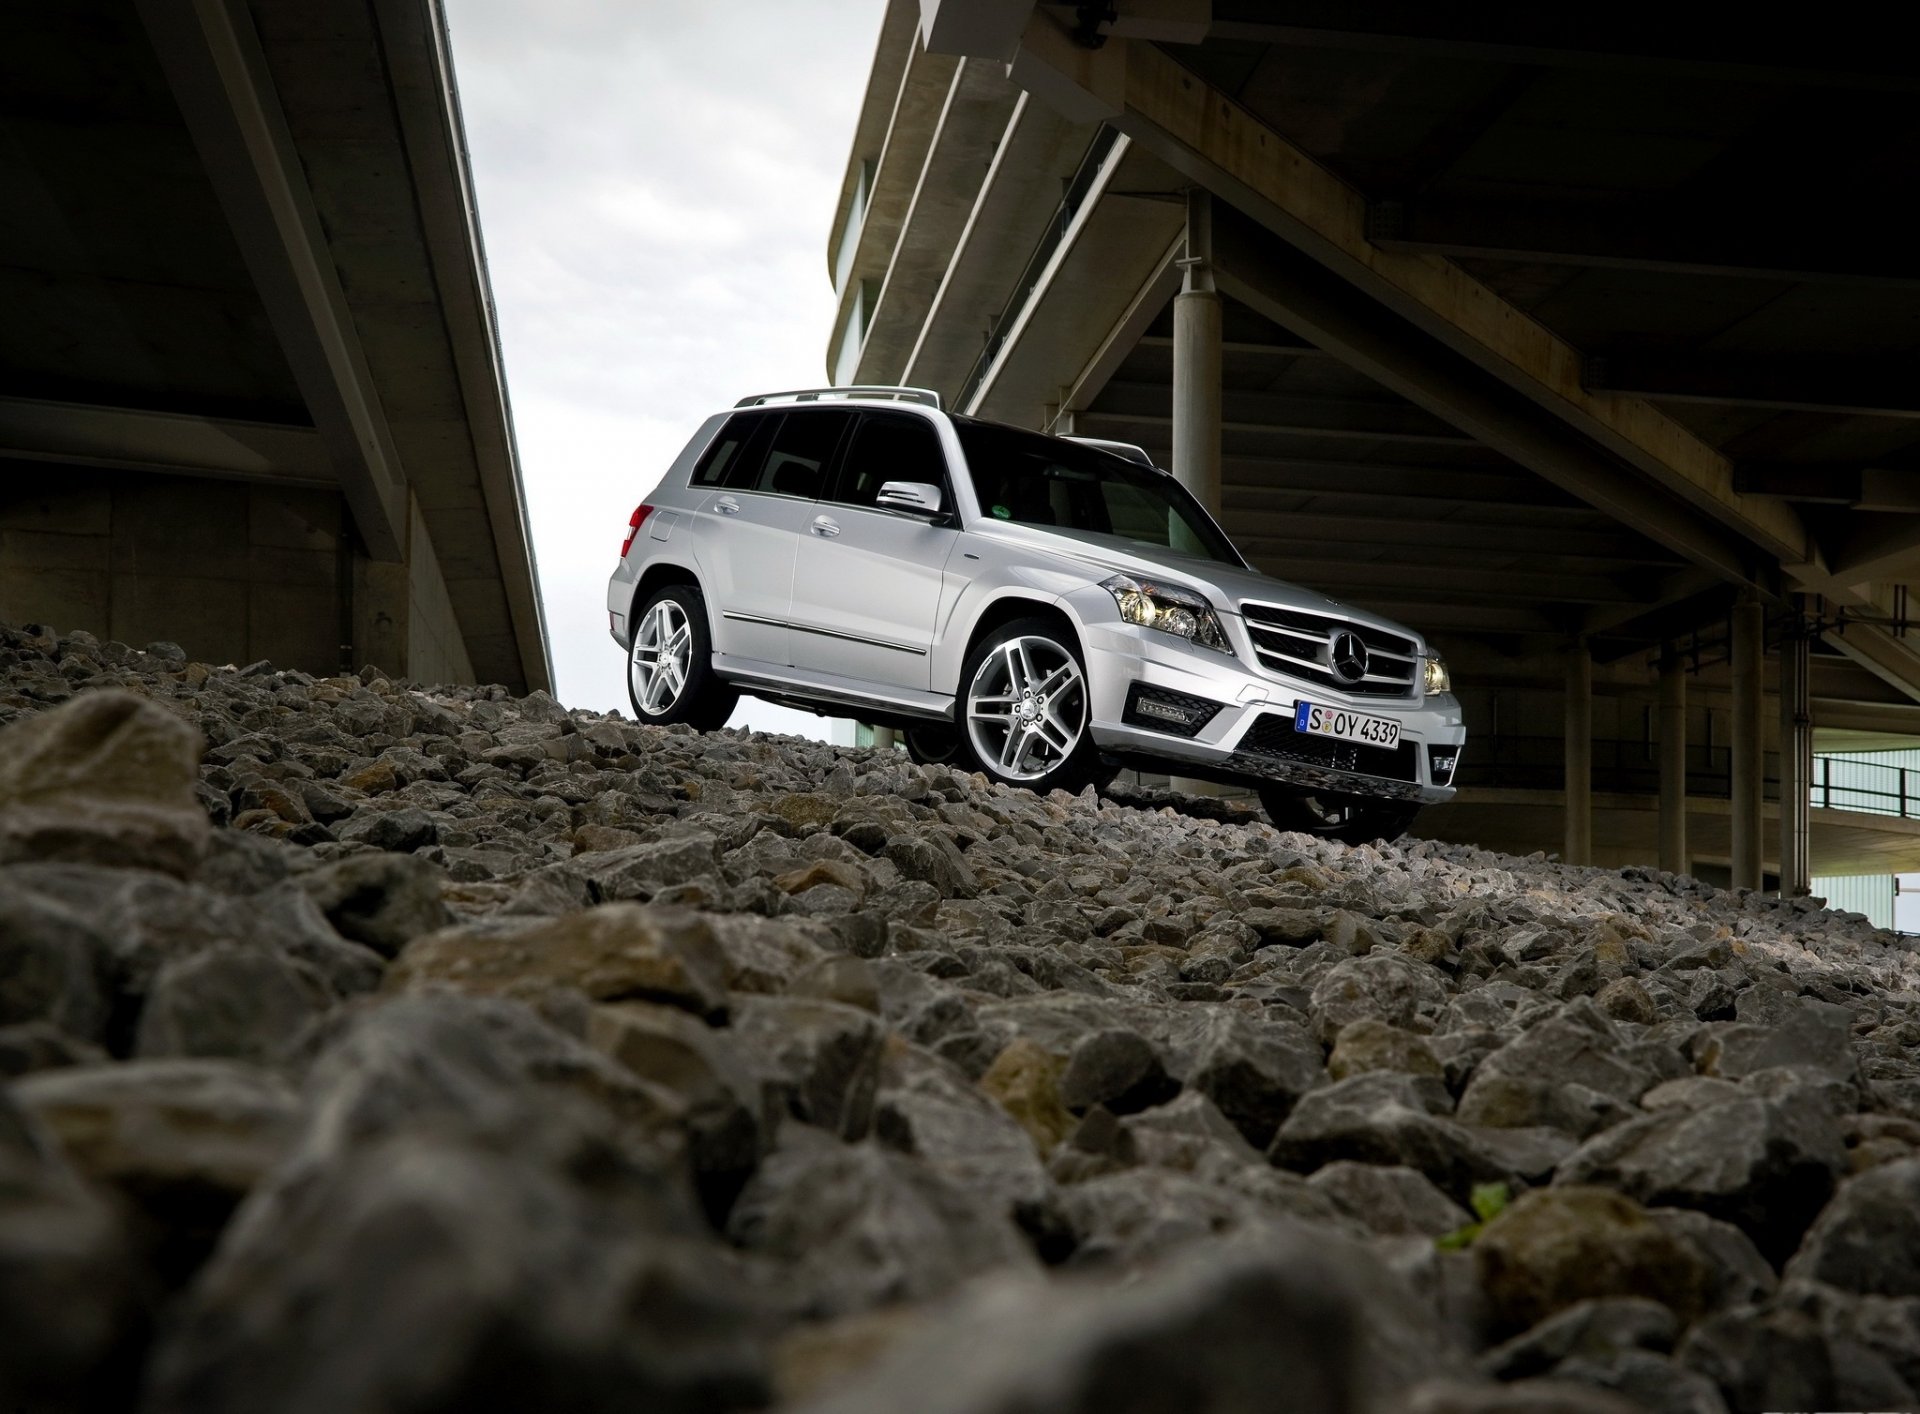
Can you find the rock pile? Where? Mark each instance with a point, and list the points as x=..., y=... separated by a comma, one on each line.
x=375, y=1048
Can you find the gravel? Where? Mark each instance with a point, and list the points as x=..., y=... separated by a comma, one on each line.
x=377, y=1047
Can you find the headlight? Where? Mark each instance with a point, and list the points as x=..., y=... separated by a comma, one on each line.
x=1438, y=679
x=1177, y=611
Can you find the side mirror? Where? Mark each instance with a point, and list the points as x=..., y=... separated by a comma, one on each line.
x=915, y=497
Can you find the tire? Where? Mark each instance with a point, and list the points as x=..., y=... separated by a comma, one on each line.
x=689, y=691
x=934, y=746
x=1352, y=819
x=1025, y=707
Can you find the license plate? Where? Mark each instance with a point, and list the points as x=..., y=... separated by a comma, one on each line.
x=1344, y=724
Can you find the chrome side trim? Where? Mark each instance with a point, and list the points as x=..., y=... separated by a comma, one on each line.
x=824, y=632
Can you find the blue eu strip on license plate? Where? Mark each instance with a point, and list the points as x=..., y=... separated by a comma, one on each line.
x=1300, y=712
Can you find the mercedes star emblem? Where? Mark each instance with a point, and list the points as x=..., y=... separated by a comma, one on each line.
x=1348, y=656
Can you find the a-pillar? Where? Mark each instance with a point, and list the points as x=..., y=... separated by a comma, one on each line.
x=1673, y=762
x=1578, y=847
x=1749, y=764
x=1196, y=380
x=1796, y=762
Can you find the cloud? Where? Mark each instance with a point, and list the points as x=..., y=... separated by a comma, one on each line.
x=656, y=182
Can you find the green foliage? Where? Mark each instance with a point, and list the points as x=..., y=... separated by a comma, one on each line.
x=1488, y=1201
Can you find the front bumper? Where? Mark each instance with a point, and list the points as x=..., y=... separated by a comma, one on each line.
x=1250, y=738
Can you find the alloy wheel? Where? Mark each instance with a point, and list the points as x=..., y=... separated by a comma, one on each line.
x=662, y=656
x=1027, y=708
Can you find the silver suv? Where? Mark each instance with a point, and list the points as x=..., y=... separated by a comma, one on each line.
x=1046, y=610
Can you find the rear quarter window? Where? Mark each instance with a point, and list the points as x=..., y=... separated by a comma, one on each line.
x=735, y=458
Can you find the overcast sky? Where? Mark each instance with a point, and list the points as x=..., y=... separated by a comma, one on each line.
x=655, y=181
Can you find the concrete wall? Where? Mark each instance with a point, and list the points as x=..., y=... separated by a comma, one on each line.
x=231, y=571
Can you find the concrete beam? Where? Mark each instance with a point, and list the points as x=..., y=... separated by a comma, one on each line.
x=1673, y=763
x=211, y=56
x=168, y=443
x=974, y=29
x=1283, y=283
x=1455, y=540
x=1545, y=584
x=1280, y=483
x=1686, y=44
x=1746, y=746
x=1145, y=307
x=1213, y=141
x=1578, y=788
x=414, y=39
x=1638, y=237
x=1813, y=382
x=1895, y=661
x=1388, y=421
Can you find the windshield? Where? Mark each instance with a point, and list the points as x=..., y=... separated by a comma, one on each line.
x=1031, y=479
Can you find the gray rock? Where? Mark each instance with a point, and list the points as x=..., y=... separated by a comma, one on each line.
x=1867, y=1240
x=1392, y=1201
x=108, y=778
x=1380, y=987
x=40, y=1045
x=54, y=965
x=818, y=1061
x=1388, y=1119
x=1571, y=1071
x=1766, y=1166
x=68, y=1282
x=382, y=900
x=855, y=1226
x=1814, y=1036
x=1591, y=1329
x=1272, y=1317
x=1254, y=1070
x=1117, y=1069
x=399, y=831
x=238, y=1002
x=181, y=1141
x=1737, y=1275
x=1796, y=1351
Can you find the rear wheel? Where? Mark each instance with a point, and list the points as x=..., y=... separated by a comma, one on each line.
x=670, y=675
x=1353, y=819
x=933, y=746
x=1025, y=708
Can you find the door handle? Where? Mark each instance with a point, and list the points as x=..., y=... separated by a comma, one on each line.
x=824, y=525
x=727, y=506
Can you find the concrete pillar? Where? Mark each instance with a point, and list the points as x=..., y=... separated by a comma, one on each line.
x=1749, y=763
x=1196, y=384
x=1796, y=762
x=885, y=738
x=1578, y=848
x=1673, y=763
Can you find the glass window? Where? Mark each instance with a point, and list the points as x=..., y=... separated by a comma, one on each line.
x=1032, y=479
x=736, y=454
x=890, y=446
x=802, y=451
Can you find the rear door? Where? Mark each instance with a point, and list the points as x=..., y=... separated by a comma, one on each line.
x=764, y=471
x=866, y=588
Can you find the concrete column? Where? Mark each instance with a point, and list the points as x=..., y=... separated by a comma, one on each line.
x=1196, y=384
x=1796, y=763
x=885, y=738
x=1749, y=763
x=1673, y=763
x=1578, y=848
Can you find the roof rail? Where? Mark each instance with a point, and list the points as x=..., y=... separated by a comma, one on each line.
x=884, y=392
x=1129, y=450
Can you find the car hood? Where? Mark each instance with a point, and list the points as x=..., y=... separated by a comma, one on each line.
x=1226, y=585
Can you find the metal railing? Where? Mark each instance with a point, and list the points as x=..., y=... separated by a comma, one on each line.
x=1633, y=768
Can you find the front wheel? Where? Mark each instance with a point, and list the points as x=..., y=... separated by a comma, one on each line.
x=1025, y=709
x=1352, y=819
x=670, y=675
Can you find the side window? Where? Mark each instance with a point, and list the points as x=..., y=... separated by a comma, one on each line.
x=802, y=452
x=736, y=455
x=890, y=446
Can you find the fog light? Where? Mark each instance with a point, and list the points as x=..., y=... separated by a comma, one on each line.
x=1160, y=710
x=1441, y=761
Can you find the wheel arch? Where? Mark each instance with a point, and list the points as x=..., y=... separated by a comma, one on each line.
x=1005, y=610
x=659, y=575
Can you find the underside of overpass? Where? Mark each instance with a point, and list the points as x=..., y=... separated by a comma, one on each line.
x=1559, y=341
x=250, y=391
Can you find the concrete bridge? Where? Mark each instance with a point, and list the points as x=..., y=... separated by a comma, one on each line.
x=1500, y=328
x=250, y=390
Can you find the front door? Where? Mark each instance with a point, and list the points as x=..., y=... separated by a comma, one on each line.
x=764, y=493
x=866, y=585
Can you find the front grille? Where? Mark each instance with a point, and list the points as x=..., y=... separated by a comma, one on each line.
x=1298, y=643
x=1272, y=736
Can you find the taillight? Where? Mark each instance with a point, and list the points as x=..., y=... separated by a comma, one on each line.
x=639, y=518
